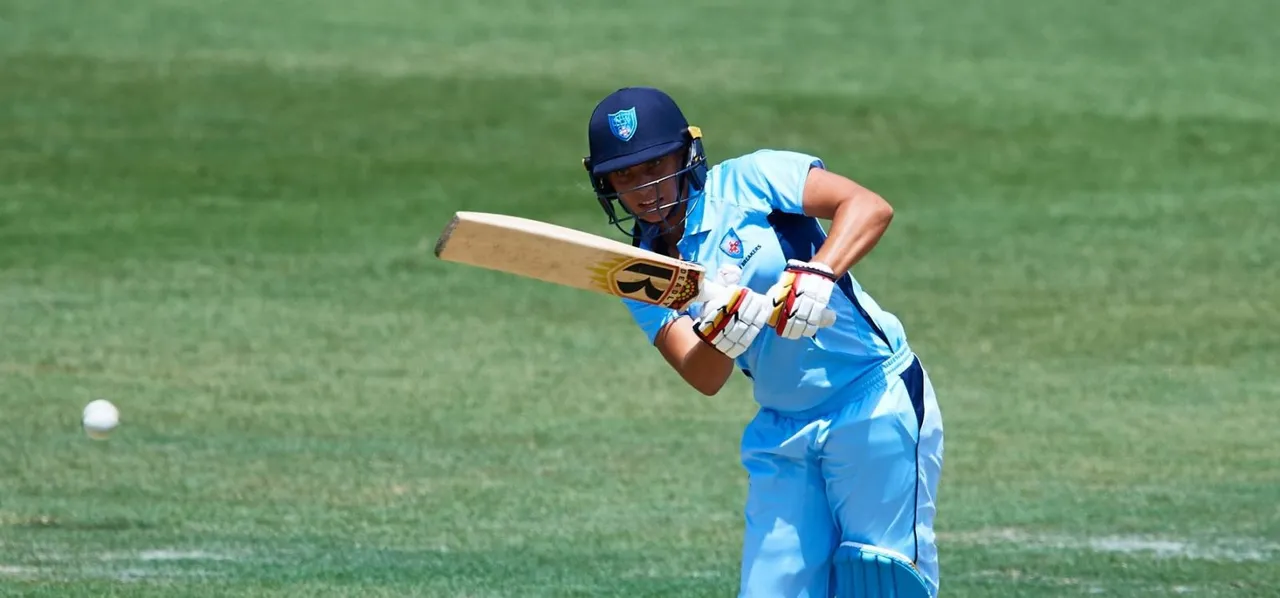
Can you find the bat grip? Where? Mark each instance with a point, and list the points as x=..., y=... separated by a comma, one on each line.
x=711, y=289
x=708, y=290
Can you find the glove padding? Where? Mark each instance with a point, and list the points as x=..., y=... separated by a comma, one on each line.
x=800, y=298
x=730, y=321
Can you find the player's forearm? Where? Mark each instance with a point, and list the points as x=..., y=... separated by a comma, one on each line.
x=700, y=364
x=705, y=368
x=856, y=227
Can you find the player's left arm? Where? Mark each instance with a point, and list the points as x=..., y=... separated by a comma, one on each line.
x=858, y=218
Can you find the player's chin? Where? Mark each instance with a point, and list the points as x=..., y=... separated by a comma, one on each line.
x=650, y=213
x=650, y=218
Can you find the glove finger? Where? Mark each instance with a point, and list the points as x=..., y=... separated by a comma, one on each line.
x=827, y=318
x=745, y=334
x=735, y=332
x=792, y=329
x=748, y=326
x=810, y=329
x=802, y=329
x=756, y=309
x=802, y=309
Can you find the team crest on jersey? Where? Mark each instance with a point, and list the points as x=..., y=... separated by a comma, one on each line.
x=623, y=123
x=731, y=245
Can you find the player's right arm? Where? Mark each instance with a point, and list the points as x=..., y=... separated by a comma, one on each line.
x=701, y=365
x=702, y=344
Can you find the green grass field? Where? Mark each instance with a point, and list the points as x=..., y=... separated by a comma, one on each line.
x=219, y=215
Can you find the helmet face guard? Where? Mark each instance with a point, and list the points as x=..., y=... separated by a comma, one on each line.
x=691, y=177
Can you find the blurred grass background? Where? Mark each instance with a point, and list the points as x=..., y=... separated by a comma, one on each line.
x=218, y=215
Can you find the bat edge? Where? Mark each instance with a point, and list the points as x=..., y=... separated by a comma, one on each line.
x=443, y=240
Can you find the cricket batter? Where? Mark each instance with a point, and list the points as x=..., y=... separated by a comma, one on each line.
x=844, y=454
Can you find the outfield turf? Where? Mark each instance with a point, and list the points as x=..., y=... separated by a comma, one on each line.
x=219, y=215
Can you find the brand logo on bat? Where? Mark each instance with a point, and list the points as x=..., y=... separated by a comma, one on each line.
x=642, y=278
x=653, y=282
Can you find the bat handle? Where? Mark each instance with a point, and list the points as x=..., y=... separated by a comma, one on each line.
x=717, y=286
x=710, y=289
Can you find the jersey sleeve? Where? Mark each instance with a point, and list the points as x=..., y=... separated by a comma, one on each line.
x=777, y=177
x=650, y=318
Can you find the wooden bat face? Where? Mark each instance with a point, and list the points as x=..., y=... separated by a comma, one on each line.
x=569, y=257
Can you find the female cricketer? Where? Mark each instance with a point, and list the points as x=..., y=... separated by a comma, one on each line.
x=845, y=452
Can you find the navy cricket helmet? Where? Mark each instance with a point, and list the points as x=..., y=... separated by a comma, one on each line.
x=632, y=126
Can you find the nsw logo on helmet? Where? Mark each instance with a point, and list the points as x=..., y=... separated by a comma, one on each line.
x=623, y=123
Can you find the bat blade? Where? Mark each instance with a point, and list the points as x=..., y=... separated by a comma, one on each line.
x=572, y=258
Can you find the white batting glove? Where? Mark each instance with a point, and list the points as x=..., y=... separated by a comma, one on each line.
x=732, y=320
x=800, y=299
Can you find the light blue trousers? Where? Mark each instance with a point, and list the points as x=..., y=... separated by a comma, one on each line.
x=866, y=473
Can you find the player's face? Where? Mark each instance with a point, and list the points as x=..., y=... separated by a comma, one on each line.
x=639, y=193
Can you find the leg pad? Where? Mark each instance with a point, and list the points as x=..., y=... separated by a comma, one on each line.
x=865, y=571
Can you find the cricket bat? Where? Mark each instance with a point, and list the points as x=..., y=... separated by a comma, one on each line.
x=573, y=258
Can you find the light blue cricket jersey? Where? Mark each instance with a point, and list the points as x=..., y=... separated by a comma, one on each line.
x=749, y=214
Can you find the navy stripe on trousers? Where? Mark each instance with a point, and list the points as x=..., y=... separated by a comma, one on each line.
x=913, y=379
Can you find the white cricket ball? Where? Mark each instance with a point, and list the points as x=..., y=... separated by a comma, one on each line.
x=100, y=417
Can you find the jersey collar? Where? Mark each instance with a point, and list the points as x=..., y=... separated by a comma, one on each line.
x=695, y=223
